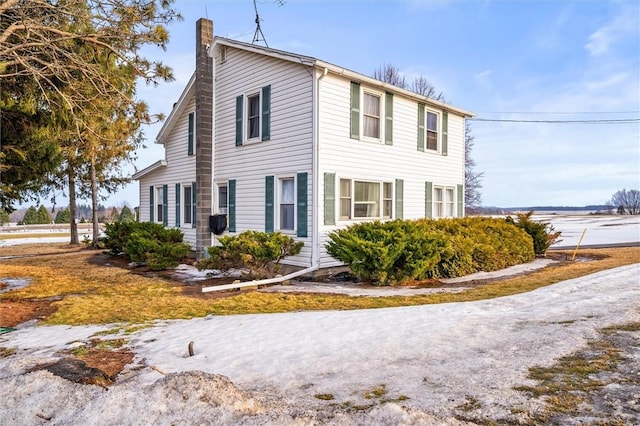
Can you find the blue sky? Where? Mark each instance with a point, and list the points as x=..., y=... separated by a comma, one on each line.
x=514, y=60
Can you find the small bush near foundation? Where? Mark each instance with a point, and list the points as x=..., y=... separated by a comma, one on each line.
x=259, y=252
x=145, y=242
x=388, y=252
x=543, y=234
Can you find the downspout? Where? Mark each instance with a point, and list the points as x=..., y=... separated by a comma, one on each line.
x=275, y=280
x=315, y=221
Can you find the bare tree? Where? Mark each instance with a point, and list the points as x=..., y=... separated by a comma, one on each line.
x=390, y=74
x=472, y=178
x=423, y=87
x=628, y=202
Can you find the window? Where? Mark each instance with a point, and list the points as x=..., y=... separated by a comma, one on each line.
x=223, y=199
x=387, y=200
x=345, y=199
x=432, y=131
x=365, y=199
x=443, y=201
x=190, y=133
x=187, y=203
x=371, y=116
x=159, y=204
x=287, y=204
x=253, y=116
x=223, y=54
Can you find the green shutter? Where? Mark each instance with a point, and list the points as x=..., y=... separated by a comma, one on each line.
x=460, y=200
x=190, y=137
x=266, y=113
x=268, y=203
x=177, y=205
x=301, y=201
x=231, y=206
x=194, y=198
x=239, y=101
x=388, y=124
x=355, y=110
x=428, y=199
x=165, y=205
x=399, y=198
x=421, y=127
x=445, y=131
x=329, y=198
x=151, y=206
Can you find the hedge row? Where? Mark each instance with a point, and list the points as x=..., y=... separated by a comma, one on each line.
x=389, y=252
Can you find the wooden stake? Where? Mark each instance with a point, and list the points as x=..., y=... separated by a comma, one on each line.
x=578, y=246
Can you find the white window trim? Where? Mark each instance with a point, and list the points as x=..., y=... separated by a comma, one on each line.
x=223, y=54
x=158, y=194
x=277, y=198
x=217, y=197
x=351, y=219
x=444, y=201
x=183, y=205
x=381, y=117
x=438, y=114
x=249, y=94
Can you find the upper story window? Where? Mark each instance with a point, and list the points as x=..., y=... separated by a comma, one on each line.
x=371, y=115
x=253, y=116
x=190, y=133
x=432, y=131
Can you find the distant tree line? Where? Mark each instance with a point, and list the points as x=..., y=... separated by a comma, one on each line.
x=41, y=215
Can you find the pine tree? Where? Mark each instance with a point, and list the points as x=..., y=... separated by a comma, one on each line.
x=63, y=216
x=126, y=215
x=43, y=215
x=30, y=216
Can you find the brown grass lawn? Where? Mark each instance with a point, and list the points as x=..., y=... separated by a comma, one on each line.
x=73, y=285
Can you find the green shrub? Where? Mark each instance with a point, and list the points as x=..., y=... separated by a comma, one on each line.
x=147, y=242
x=388, y=252
x=543, y=234
x=259, y=252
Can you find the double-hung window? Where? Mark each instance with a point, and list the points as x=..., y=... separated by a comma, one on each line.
x=223, y=199
x=443, y=201
x=432, y=131
x=253, y=116
x=160, y=204
x=187, y=202
x=287, y=204
x=371, y=116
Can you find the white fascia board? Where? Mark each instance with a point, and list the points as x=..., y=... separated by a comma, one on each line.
x=155, y=166
x=177, y=110
x=267, y=51
x=391, y=88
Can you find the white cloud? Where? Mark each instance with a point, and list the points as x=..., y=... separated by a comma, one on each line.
x=622, y=25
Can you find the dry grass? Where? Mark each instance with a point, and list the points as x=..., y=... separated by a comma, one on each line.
x=92, y=293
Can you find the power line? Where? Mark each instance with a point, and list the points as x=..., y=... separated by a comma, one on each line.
x=558, y=112
x=612, y=121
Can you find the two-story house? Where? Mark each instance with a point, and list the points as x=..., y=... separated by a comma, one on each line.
x=278, y=141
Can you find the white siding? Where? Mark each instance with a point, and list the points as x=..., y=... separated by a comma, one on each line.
x=289, y=149
x=181, y=168
x=358, y=159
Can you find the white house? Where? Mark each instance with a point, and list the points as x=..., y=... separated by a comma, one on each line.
x=278, y=141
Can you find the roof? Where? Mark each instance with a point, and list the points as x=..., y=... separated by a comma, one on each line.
x=155, y=166
x=309, y=61
x=335, y=69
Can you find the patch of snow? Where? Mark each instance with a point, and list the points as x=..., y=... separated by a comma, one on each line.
x=437, y=356
x=14, y=283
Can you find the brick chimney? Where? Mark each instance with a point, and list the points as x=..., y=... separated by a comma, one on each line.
x=203, y=131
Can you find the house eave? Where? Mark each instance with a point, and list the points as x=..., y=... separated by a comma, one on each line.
x=177, y=110
x=152, y=168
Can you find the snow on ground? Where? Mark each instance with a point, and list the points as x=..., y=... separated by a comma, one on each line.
x=430, y=359
x=600, y=229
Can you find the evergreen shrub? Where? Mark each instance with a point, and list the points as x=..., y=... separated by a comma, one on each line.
x=388, y=252
x=145, y=242
x=259, y=252
x=543, y=234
